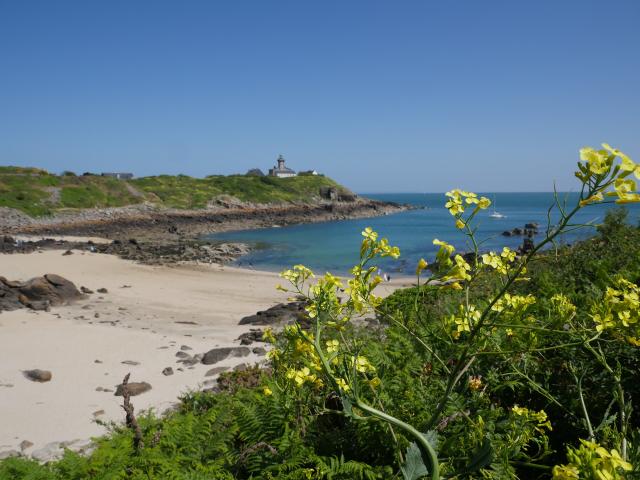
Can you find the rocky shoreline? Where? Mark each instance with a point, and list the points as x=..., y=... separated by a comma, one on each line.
x=148, y=222
x=149, y=235
x=161, y=252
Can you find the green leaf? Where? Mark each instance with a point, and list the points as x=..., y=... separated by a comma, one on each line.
x=414, y=466
x=482, y=457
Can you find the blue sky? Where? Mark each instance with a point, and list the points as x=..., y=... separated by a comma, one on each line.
x=382, y=95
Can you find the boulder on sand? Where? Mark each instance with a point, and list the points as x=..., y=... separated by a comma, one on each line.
x=283, y=313
x=216, y=355
x=38, y=293
x=38, y=375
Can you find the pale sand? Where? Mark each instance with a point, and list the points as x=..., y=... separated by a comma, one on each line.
x=69, y=339
x=68, y=238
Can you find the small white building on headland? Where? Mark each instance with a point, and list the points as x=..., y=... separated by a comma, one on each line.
x=118, y=175
x=280, y=170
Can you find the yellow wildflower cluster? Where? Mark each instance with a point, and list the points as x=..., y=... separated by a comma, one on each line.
x=371, y=246
x=592, y=461
x=344, y=386
x=540, y=417
x=456, y=269
x=619, y=311
x=363, y=365
x=323, y=296
x=464, y=320
x=302, y=376
x=599, y=164
x=443, y=257
x=297, y=275
x=360, y=291
x=460, y=269
x=500, y=262
x=332, y=346
x=459, y=200
x=513, y=304
x=563, y=306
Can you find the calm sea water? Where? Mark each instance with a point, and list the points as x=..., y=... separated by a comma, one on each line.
x=333, y=246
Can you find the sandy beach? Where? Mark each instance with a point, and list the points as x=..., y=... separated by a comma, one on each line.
x=147, y=316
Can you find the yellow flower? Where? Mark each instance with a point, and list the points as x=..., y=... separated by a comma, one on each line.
x=342, y=384
x=597, y=161
x=454, y=205
x=332, y=346
x=297, y=275
x=484, y=203
x=634, y=341
x=363, y=365
x=267, y=391
x=624, y=185
x=459, y=271
x=598, y=197
x=565, y=472
x=369, y=234
x=374, y=382
x=625, y=317
x=626, y=165
x=268, y=336
x=508, y=254
x=616, y=460
x=520, y=410
x=444, y=253
x=475, y=383
x=625, y=190
x=422, y=264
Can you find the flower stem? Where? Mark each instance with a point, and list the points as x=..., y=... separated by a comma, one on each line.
x=425, y=447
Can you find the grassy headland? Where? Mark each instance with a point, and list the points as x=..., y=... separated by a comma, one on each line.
x=37, y=192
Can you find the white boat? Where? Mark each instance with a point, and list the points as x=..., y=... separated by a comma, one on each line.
x=495, y=213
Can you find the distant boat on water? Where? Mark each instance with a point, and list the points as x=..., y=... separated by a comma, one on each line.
x=495, y=213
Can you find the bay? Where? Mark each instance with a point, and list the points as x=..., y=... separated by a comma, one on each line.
x=334, y=246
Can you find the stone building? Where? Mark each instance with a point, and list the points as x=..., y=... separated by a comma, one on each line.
x=280, y=170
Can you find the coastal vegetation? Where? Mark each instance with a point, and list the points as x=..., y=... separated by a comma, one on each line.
x=37, y=192
x=182, y=191
x=499, y=365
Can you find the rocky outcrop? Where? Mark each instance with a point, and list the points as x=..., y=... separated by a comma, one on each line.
x=55, y=450
x=216, y=355
x=39, y=293
x=283, y=313
x=529, y=230
x=153, y=253
x=253, y=335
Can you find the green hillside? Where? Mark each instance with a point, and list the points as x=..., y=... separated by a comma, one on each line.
x=38, y=192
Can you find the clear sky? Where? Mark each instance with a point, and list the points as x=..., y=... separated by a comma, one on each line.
x=384, y=96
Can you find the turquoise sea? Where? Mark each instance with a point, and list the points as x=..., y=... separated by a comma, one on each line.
x=333, y=246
